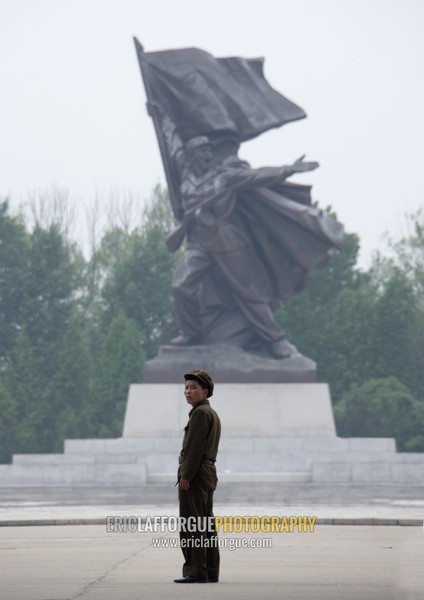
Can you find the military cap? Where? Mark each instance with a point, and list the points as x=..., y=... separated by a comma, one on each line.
x=203, y=378
x=196, y=142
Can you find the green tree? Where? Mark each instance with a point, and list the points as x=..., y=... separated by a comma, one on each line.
x=346, y=346
x=303, y=315
x=395, y=320
x=416, y=380
x=140, y=287
x=119, y=365
x=401, y=277
x=51, y=288
x=7, y=424
x=332, y=319
x=69, y=391
x=14, y=253
x=40, y=278
x=409, y=252
x=382, y=408
x=22, y=382
x=132, y=270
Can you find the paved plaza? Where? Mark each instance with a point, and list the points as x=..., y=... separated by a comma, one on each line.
x=388, y=504
x=368, y=544
x=66, y=562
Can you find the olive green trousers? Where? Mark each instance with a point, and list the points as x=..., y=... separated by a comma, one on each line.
x=199, y=547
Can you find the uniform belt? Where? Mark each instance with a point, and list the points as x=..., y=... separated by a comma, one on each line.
x=204, y=461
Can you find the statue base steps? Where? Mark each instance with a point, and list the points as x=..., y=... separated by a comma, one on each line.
x=271, y=433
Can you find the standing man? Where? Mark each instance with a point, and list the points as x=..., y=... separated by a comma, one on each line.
x=197, y=482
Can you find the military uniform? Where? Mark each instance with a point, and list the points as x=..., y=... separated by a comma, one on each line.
x=197, y=458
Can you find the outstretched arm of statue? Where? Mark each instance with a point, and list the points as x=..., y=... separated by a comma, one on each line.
x=300, y=166
x=245, y=177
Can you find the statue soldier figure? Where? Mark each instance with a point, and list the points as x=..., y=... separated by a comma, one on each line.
x=215, y=240
x=252, y=238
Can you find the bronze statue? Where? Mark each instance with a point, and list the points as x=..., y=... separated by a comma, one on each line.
x=252, y=238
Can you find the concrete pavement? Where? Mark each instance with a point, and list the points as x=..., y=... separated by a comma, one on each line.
x=333, y=563
x=336, y=503
x=87, y=562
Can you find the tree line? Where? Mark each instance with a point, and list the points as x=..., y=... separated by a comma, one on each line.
x=76, y=329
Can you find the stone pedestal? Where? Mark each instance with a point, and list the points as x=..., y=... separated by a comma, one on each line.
x=246, y=410
x=270, y=433
x=228, y=364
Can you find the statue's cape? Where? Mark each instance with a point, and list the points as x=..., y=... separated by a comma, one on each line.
x=292, y=238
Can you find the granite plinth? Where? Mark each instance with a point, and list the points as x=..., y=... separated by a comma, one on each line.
x=272, y=433
x=228, y=364
x=245, y=410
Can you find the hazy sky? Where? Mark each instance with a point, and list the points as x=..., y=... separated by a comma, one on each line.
x=72, y=102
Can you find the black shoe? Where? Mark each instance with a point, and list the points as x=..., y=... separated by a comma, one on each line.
x=213, y=579
x=190, y=580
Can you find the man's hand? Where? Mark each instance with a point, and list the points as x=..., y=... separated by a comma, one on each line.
x=184, y=484
x=299, y=166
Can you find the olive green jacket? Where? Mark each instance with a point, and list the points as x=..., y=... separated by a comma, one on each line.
x=201, y=439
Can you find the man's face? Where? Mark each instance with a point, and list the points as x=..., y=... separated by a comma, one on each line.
x=201, y=158
x=194, y=392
